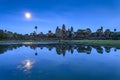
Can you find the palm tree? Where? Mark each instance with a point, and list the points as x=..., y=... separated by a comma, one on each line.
x=36, y=29
x=115, y=34
x=35, y=32
x=99, y=32
x=115, y=30
x=101, y=28
x=50, y=34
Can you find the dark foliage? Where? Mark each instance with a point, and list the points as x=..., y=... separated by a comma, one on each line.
x=63, y=34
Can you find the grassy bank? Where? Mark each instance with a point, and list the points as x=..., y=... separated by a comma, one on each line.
x=94, y=42
x=86, y=42
x=3, y=41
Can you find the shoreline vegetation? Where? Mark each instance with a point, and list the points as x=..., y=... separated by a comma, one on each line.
x=63, y=36
x=82, y=42
x=61, y=33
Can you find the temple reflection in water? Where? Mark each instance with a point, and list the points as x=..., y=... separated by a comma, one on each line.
x=61, y=49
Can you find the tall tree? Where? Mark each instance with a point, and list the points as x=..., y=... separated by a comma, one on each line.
x=101, y=28
x=36, y=29
x=49, y=34
x=114, y=36
x=99, y=32
x=80, y=33
x=115, y=30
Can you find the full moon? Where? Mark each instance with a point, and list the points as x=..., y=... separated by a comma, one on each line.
x=28, y=15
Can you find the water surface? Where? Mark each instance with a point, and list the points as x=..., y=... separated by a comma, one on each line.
x=59, y=62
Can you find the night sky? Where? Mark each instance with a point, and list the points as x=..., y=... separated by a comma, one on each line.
x=47, y=14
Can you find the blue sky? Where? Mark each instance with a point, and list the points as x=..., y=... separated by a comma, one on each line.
x=47, y=14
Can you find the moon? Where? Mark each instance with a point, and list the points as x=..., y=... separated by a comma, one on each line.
x=27, y=15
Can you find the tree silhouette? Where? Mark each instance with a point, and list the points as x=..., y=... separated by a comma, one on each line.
x=107, y=33
x=62, y=34
x=36, y=29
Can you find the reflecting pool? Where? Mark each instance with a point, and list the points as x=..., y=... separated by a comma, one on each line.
x=59, y=62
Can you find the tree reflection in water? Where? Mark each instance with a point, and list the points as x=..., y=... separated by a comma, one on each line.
x=61, y=49
x=84, y=49
x=34, y=47
x=4, y=48
x=99, y=49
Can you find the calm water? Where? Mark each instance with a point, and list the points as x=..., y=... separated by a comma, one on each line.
x=59, y=62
